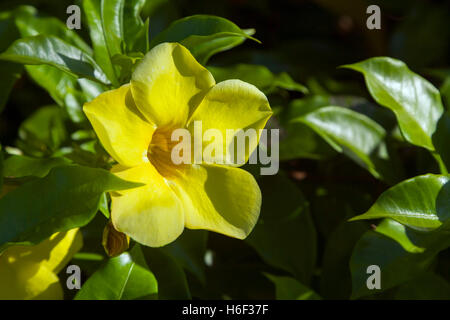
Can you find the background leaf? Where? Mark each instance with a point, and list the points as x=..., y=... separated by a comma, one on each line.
x=290, y=289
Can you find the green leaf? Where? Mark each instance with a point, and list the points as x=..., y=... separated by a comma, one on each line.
x=259, y=76
x=125, y=30
x=92, y=10
x=30, y=24
x=172, y=282
x=422, y=202
x=429, y=286
x=353, y=134
x=126, y=277
x=416, y=102
x=44, y=130
x=285, y=226
x=397, y=265
x=335, y=279
x=203, y=35
x=440, y=140
x=21, y=166
x=1, y=168
x=290, y=289
x=55, y=52
x=10, y=71
x=189, y=251
x=68, y=197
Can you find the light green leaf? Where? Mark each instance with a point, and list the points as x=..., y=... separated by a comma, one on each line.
x=203, y=35
x=68, y=197
x=290, y=289
x=353, y=134
x=416, y=102
x=259, y=76
x=21, y=166
x=422, y=202
x=55, y=52
x=126, y=277
x=285, y=222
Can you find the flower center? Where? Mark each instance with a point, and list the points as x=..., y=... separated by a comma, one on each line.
x=159, y=152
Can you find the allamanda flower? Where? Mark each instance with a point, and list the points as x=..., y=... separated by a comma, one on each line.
x=170, y=90
x=30, y=272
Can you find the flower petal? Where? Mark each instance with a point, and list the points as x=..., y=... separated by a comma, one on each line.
x=29, y=272
x=169, y=83
x=232, y=104
x=222, y=199
x=119, y=125
x=151, y=214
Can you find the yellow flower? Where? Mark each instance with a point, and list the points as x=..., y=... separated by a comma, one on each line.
x=30, y=272
x=170, y=90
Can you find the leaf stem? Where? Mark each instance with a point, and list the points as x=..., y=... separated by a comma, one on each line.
x=441, y=163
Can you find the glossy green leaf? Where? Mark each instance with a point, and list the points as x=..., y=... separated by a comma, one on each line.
x=126, y=277
x=172, y=282
x=287, y=288
x=203, y=35
x=31, y=24
x=416, y=102
x=68, y=197
x=55, y=52
x=92, y=10
x=22, y=166
x=285, y=222
x=353, y=134
x=422, y=202
x=259, y=76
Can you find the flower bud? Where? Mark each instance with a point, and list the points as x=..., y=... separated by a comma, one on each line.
x=114, y=242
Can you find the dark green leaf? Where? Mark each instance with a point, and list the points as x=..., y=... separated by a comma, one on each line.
x=290, y=289
x=126, y=277
x=429, y=286
x=397, y=265
x=172, y=283
x=189, y=250
x=416, y=102
x=68, y=197
x=285, y=226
